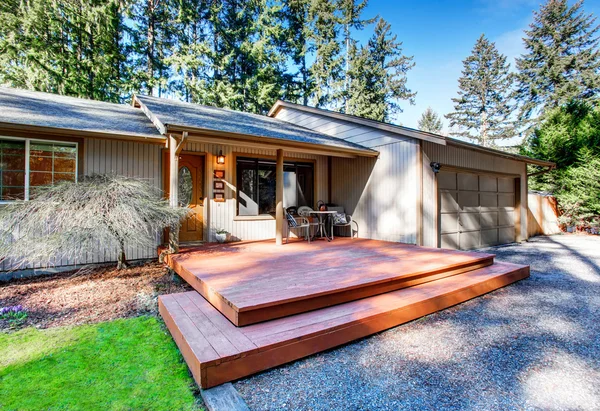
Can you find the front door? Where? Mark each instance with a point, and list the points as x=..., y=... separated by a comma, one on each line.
x=191, y=195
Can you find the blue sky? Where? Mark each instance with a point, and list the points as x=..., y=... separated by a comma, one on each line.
x=441, y=34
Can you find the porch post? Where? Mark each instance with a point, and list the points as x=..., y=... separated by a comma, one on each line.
x=175, y=147
x=279, y=199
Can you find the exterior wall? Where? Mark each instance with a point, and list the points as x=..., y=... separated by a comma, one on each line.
x=223, y=214
x=132, y=159
x=380, y=194
x=463, y=158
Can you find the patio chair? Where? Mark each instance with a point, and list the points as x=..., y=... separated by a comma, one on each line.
x=298, y=222
x=341, y=219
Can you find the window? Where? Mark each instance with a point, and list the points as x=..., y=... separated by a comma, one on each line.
x=256, y=186
x=26, y=164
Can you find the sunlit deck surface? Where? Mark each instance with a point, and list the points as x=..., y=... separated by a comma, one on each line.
x=257, y=281
x=301, y=298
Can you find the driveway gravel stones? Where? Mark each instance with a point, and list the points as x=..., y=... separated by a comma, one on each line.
x=532, y=345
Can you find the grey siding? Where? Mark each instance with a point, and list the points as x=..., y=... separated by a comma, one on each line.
x=381, y=194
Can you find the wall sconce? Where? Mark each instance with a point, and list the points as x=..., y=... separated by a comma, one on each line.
x=435, y=167
x=220, y=158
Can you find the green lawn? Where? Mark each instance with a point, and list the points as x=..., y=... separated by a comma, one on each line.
x=130, y=364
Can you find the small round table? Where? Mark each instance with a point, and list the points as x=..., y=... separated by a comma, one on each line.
x=321, y=216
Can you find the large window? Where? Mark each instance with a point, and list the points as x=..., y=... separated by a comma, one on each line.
x=26, y=164
x=256, y=186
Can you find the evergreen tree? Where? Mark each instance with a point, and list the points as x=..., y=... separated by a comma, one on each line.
x=350, y=19
x=483, y=107
x=430, y=122
x=67, y=47
x=379, y=76
x=152, y=39
x=562, y=59
x=326, y=70
x=296, y=13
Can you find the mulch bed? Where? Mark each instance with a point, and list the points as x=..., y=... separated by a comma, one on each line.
x=89, y=296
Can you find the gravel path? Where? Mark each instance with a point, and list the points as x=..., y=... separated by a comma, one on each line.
x=532, y=345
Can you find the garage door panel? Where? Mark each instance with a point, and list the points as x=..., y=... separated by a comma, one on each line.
x=488, y=199
x=506, y=217
x=469, y=221
x=468, y=199
x=489, y=237
x=469, y=240
x=506, y=185
x=506, y=235
x=448, y=201
x=468, y=182
x=477, y=210
x=488, y=183
x=449, y=241
x=506, y=200
x=446, y=181
x=449, y=222
x=489, y=219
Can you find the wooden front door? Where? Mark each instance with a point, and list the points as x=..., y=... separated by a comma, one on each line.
x=191, y=195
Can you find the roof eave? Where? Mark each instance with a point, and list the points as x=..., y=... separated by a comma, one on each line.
x=275, y=142
x=395, y=129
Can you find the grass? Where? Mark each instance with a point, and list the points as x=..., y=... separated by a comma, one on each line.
x=129, y=364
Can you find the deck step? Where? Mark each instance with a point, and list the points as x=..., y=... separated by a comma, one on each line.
x=218, y=352
x=254, y=282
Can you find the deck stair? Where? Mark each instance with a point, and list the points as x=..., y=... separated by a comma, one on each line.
x=256, y=307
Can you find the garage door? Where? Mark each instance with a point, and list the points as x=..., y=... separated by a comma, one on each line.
x=475, y=210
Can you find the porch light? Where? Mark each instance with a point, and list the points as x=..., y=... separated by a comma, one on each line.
x=220, y=158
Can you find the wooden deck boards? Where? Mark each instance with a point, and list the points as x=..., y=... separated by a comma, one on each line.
x=255, y=281
x=217, y=351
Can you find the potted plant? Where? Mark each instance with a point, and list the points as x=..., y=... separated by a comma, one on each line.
x=221, y=235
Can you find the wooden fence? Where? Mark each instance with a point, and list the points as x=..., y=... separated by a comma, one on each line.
x=542, y=215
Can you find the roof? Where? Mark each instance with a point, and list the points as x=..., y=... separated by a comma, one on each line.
x=172, y=115
x=38, y=109
x=406, y=132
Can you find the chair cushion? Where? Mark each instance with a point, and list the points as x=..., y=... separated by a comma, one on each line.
x=339, y=218
x=291, y=220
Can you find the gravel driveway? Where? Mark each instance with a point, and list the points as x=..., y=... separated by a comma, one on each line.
x=531, y=345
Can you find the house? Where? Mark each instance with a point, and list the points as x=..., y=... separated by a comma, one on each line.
x=231, y=168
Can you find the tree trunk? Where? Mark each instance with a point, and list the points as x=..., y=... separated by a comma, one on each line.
x=121, y=259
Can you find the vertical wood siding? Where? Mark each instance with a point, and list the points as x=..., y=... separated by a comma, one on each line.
x=381, y=194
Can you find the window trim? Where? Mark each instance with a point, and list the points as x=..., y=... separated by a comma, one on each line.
x=28, y=141
x=258, y=157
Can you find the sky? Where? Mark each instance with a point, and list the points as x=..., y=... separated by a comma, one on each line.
x=441, y=34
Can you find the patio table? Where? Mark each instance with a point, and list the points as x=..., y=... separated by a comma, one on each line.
x=321, y=215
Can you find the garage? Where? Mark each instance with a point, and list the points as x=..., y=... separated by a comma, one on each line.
x=475, y=210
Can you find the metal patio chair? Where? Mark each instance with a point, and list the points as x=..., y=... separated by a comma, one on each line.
x=298, y=222
x=345, y=220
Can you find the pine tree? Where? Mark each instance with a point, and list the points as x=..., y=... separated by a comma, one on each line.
x=431, y=122
x=326, y=70
x=153, y=37
x=350, y=18
x=379, y=76
x=562, y=59
x=297, y=45
x=483, y=107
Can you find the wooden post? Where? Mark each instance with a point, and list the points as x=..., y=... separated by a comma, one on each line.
x=279, y=199
x=175, y=147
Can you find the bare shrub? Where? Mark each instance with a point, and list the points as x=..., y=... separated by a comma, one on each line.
x=69, y=220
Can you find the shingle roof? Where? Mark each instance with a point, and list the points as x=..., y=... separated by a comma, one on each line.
x=172, y=113
x=51, y=110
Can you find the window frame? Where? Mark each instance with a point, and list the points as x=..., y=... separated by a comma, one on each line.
x=258, y=159
x=28, y=141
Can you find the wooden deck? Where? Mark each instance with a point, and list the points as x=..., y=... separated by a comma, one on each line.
x=217, y=351
x=251, y=282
